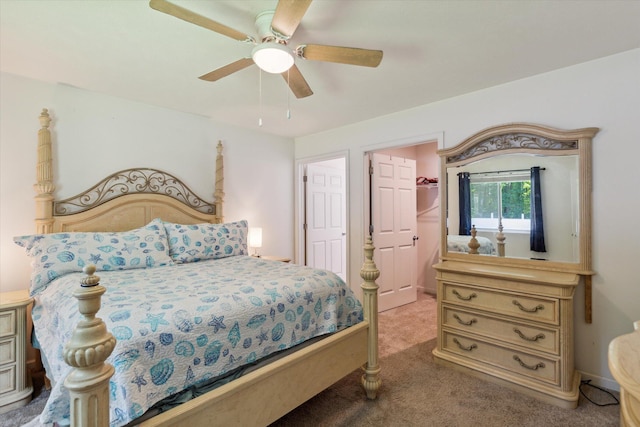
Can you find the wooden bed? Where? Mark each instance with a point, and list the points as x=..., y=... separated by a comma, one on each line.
x=130, y=199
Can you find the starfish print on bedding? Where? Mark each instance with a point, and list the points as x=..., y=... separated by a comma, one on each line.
x=95, y=259
x=262, y=337
x=139, y=379
x=129, y=248
x=217, y=323
x=154, y=320
x=308, y=297
x=273, y=293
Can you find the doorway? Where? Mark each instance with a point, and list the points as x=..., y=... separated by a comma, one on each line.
x=406, y=255
x=322, y=241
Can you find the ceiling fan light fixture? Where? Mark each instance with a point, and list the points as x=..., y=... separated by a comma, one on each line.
x=272, y=57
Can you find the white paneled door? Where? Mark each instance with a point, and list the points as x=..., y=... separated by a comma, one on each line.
x=393, y=216
x=326, y=218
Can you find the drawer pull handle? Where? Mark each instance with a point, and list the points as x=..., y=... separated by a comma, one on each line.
x=462, y=322
x=524, y=365
x=469, y=298
x=528, y=310
x=465, y=348
x=524, y=337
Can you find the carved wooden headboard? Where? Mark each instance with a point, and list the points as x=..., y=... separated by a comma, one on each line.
x=123, y=201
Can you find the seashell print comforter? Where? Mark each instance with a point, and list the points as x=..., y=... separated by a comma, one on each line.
x=182, y=325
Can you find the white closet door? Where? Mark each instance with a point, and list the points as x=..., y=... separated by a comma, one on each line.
x=393, y=195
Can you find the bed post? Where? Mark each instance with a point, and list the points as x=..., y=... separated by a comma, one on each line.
x=44, y=177
x=219, y=190
x=369, y=273
x=86, y=351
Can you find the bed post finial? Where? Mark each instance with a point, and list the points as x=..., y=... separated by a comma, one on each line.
x=219, y=191
x=371, y=378
x=500, y=237
x=473, y=243
x=89, y=346
x=44, y=177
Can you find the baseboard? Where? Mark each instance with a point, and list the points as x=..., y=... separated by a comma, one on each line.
x=607, y=383
x=425, y=290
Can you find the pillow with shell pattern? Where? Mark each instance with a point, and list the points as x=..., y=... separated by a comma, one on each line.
x=54, y=255
x=191, y=243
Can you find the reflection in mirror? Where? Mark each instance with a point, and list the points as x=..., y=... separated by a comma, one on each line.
x=498, y=163
x=500, y=188
x=564, y=161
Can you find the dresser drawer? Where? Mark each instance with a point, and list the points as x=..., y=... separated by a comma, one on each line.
x=7, y=351
x=7, y=323
x=7, y=379
x=533, y=337
x=517, y=305
x=517, y=362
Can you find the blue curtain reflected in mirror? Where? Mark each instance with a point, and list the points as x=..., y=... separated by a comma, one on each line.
x=464, y=203
x=537, y=225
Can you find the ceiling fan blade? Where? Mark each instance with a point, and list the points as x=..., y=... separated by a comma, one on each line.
x=227, y=69
x=288, y=15
x=297, y=83
x=192, y=17
x=342, y=55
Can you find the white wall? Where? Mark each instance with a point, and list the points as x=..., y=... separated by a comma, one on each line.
x=95, y=135
x=604, y=93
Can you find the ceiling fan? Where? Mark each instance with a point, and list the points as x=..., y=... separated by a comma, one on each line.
x=271, y=52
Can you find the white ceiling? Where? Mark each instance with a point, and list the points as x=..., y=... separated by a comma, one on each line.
x=432, y=50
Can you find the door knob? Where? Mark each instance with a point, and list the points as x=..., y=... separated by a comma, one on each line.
x=414, y=240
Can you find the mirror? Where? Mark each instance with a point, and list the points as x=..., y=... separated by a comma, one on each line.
x=501, y=158
x=559, y=188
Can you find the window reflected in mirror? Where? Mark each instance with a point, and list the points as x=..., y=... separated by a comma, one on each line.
x=500, y=192
x=501, y=198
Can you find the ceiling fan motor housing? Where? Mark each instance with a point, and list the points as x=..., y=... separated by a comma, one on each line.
x=263, y=26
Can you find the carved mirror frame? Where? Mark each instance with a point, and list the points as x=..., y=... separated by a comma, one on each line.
x=525, y=138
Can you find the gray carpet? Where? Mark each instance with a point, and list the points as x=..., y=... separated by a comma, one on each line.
x=416, y=392
x=20, y=416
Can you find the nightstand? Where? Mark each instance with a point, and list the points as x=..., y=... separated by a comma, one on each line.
x=276, y=258
x=15, y=384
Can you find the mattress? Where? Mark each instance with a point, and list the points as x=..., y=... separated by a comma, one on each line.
x=184, y=325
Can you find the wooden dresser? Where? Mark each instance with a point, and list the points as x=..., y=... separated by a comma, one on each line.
x=507, y=315
x=509, y=324
x=15, y=384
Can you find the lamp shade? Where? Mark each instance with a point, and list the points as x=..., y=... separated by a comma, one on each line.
x=272, y=57
x=255, y=237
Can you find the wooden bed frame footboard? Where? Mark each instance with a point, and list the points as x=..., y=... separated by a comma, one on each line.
x=288, y=382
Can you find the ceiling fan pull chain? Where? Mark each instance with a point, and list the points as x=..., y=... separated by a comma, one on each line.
x=260, y=98
x=288, y=97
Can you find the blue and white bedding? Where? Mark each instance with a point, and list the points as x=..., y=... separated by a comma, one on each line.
x=181, y=325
